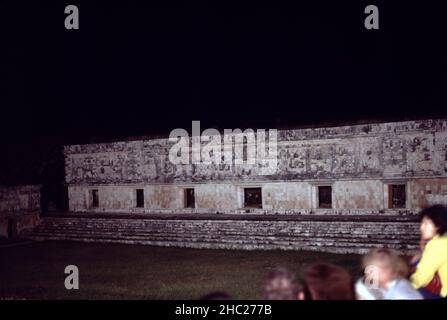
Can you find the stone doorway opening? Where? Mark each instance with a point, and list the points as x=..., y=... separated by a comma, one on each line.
x=12, y=230
x=190, y=201
x=253, y=198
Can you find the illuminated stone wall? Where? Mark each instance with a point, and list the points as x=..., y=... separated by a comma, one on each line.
x=359, y=162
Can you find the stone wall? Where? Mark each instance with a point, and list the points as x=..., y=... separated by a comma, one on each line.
x=218, y=197
x=359, y=162
x=287, y=195
x=368, y=194
x=19, y=209
x=357, y=197
x=428, y=191
x=407, y=149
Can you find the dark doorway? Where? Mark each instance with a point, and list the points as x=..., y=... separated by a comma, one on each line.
x=397, y=196
x=325, y=197
x=95, y=198
x=253, y=198
x=11, y=228
x=44, y=200
x=140, y=198
x=190, y=201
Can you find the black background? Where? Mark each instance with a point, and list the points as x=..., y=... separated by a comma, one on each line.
x=280, y=309
x=145, y=68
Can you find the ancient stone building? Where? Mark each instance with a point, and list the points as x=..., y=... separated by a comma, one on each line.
x=19, y=209
x=388, y=168
x=341, y=189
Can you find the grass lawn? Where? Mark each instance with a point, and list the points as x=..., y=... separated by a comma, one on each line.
x=115, y=271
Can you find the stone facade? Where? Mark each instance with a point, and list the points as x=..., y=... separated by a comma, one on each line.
x=359, y=163
x=19, y=209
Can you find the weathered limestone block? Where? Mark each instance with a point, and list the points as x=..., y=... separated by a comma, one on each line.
x=287, y=195
x=424, y=192
x=19, y=209
x=219, y=197
x=366, y=194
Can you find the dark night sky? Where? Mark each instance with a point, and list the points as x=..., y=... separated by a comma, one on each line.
x=138, y=68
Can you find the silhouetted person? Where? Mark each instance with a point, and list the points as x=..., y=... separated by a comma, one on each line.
x=281, y=284
x=324, y=281
x=216, y=295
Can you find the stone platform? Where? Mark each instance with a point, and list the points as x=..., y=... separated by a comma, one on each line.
x=337, y=234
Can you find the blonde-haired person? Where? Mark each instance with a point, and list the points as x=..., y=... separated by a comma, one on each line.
x=385, y=277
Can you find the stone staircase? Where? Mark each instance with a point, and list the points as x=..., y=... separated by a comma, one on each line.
x=328, y=234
